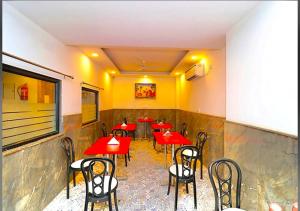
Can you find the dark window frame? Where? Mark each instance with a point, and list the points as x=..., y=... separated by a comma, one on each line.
x=57, y=82
x=97, y=104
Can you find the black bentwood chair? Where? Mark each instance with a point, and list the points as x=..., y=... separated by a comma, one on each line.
x=72, y=165
x=163, y=120
x=122, y=133
x=222, y=170
x=200, y=141
x=184, y=171
x=125, y=120
x=98, y=183
x=104, y=130
x=183, y=130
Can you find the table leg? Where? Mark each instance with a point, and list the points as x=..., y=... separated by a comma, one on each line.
x=173, y=161
x=173, y=149
x=107, y=164
x=165, y=156
x=145, y=129
x=115, y=160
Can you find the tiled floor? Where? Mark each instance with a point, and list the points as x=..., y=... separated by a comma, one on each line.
x=142, y=186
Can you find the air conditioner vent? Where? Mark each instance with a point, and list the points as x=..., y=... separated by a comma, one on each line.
x=195, y=71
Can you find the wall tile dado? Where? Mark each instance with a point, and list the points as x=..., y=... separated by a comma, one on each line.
x=214, y=126
x=83, y=136
x=268, y=161
x=34, y=175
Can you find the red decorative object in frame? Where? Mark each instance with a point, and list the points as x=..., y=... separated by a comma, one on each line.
x=145, y=90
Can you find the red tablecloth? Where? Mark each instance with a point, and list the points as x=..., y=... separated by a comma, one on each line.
x=175, y=138
x=101, y=146
x=166, y=125
x=129, y=127
x=145, y=120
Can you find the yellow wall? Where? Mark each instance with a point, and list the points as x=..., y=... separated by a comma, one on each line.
x=124, y=89
x=206, y=94
x=106, y=95
x=97, y=75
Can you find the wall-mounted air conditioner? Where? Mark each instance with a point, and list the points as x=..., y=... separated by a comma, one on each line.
x=195, y=71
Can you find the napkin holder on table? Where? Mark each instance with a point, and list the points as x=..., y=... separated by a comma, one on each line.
x=167, y=133
x=123, y=125
x=160, y=123
x=145, y=118
x=113, y=141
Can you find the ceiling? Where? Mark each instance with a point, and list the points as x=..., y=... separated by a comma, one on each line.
x=157, y=32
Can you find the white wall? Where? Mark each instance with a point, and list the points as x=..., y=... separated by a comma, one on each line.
x=206, y=94
x=25, y=39
x=261, y=68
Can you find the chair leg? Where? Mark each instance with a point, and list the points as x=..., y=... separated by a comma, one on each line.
x=195, y=193
x=109, y=202
x=201, y=168
x=116, y=200
x=86, y=204
x=128, y=155
x=170, y=177
x=134, y=135
x=176, y=194
x=68, y=181
x=92, y=208
x=187, y=187
x=125, y=160
x=74, y=179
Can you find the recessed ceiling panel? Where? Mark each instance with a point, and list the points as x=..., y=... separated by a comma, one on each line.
x=144, y=60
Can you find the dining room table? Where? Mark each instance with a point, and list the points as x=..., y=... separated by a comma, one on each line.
x=102, y=146
x=145, y=121
x=170, y=138
x=161, y=126
x=130, y=127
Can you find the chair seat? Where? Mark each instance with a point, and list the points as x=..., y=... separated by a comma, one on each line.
x=114, y=183
x=189, y=153
x=173, y=170
x=76, y=164
x=234, y=209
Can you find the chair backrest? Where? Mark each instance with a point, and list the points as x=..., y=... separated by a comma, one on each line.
x=183, y=129
x=95, y=174
x=67, y=145
x=188, y=163
x=104, y=130
x=200, y=140
x=119, y=132
x=125, y=120
x=222, y=170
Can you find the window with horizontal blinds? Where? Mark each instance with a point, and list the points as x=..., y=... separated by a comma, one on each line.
x=89, y=105
x=30, y=107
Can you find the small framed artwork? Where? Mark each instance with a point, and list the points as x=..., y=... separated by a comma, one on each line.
x=145, y=90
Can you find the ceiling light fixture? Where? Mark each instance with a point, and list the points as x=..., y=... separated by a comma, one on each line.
x=94, y=54
x=145, y=76
x=203, y=61
x=194, y=58
x=113, y=72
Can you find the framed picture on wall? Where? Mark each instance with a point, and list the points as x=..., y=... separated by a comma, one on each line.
x=145, y=90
